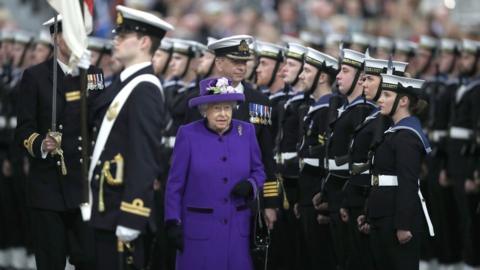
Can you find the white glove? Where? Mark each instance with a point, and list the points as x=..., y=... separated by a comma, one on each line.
x=125, y=234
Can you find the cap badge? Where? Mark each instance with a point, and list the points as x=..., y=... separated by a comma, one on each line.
x=119, y=18
x=243, y=47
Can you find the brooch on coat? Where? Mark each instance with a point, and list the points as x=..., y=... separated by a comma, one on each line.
x=240, y=130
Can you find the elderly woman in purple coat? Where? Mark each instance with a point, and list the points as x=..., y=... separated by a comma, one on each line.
x=216, y=170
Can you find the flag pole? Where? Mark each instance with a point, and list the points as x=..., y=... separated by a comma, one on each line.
x=84, y=126
x=54, y=87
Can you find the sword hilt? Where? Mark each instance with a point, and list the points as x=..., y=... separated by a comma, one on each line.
x=57, y=136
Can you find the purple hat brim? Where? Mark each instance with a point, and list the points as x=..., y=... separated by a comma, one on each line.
x=215, y=99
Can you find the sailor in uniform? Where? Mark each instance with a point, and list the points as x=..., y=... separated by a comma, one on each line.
x=101, y=57
x=318, y=74
x=350, y=115
x=461, y=148
x=294, y=60
x=396, y=208
x=270, y=62
x=366, y=136
x=441, y=88
x=43, y=47
x=54, y=184
x=125, y=160
x=183, y=65
x=161, y=59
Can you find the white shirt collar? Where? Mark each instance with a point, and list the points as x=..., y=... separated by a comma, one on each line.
x=239, y=88
x=129, y=71
x=67, y=70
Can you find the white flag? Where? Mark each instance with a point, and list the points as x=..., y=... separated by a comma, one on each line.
x=75, y=28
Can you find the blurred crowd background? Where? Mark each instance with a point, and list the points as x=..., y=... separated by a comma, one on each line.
x=269, y=20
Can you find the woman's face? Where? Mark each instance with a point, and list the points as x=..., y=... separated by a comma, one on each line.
x=385, y=102
x=219, y=115
x=370, y=86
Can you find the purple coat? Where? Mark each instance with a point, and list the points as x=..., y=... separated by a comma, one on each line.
x=205, y=168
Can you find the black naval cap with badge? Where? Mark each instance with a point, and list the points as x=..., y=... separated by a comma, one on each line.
x=233, y=47
x=133, y=20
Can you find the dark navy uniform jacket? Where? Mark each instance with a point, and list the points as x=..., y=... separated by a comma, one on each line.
x=465, y=114
x=277, y=101
x=265, y=141
x=135, y=137
x=291, y=128
x=351, y=116
x=178, y=107
x=47, y=188
x=313, y=145
x=401, y=154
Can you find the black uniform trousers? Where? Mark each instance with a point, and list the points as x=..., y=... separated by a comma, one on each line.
x=388, y=253
x=316, y=237
x=443, y=209
x=58, y=235
x=108, y=256
x=333, y=191
x=460, y=167
x=286, y=248
x=360, y=257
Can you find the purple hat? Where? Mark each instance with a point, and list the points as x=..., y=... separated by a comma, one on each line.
x=215, y=90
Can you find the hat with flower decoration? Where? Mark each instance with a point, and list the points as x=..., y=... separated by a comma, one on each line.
x=215, y=90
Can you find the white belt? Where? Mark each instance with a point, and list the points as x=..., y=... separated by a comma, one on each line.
x=460, y=133
x=392, y=180
x=384, y=180
x=437, y=135
x=3, y=121
x=285, y=156
x=332, y=166
x=168, y=141
x=13, y=122
x=315, y=162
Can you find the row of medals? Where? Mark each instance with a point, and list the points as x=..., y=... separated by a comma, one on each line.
x=256, y=119
x=260, y=114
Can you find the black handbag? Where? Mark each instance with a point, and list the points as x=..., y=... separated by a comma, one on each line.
x=260, y=238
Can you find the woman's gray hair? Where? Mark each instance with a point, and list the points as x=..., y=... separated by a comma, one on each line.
x=203, y=107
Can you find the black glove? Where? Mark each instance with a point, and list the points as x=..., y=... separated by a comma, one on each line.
x=243, y=189
x=175, y=234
